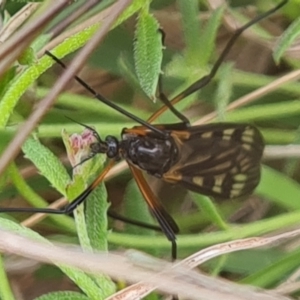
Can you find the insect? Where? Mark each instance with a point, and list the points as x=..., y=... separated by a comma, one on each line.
x=220, y=160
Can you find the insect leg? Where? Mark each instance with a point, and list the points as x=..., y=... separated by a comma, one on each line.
x=104, y=100
x=162, y=96
x=167, y=103
x=119, y=217
x=166, y=222
x=68, y=208
x=197, y=85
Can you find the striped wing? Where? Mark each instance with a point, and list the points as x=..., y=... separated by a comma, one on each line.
x=220, y=160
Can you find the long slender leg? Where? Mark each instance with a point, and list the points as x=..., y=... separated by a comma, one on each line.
x=162, y=96
x=119, y=217
x=164, y=99
x=207, y=78
x=71, y=206
x=104, y=100
x=166, y=222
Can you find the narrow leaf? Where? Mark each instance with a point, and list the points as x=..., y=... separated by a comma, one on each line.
x=224, y=91
x=63, y=296
x=148, y=52
x=209, y=35
x=206, y=205
x=279, y=188
x=47, y=163
x=96, y=215
x=286, y=39
x=191, y=27
x=84, y=281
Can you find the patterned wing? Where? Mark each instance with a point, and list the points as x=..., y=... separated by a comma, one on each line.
x=220, y=160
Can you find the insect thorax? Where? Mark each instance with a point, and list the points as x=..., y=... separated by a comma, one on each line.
x=151, y=154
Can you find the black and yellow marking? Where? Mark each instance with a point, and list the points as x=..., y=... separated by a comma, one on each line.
x=220, y=160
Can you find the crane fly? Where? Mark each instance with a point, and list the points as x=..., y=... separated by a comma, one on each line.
x=221, y=160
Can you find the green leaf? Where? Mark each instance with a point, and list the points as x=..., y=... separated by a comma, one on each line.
x=279, y=189
x=41, y=41
x=19, y=85
x=27, y=57
x=96, y=225
x=286, y=39
x=47, y=163
x=265, y=112
x=291, y=164
x=279, y=136
x=147, y=52
x=5, y=288
x=65, y=222
x=11, y=226
x=191, y=28
x=274, y=273
x=207, y=206
x=224, y=91
x=5, y=138
x=96, y=216
x=84, y=281
x=6, y=78
x=128, y=73
x=63, y=296
x=209, y=35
